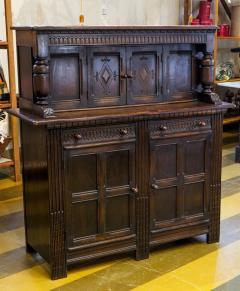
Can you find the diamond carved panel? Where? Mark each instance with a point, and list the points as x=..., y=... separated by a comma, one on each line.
x=144, y=72
x=106, y=77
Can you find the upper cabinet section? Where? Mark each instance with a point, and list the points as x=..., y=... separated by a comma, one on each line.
x=75, y=68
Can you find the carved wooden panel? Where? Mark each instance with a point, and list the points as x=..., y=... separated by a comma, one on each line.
x=194, y=199
x=179, y=72
x=144, y=72
x=91, y=135
x=165, y=128
x=100, y=193
x=68, y=77
x=106, y=76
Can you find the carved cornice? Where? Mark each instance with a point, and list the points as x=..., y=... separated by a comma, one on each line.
x=128, y=37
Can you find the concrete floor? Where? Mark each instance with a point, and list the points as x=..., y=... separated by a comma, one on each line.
x=185, y=265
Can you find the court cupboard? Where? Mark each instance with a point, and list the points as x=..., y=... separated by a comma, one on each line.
x=121, y=139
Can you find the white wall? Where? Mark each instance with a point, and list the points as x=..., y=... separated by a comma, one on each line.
x=119, y=12
x=97, y=12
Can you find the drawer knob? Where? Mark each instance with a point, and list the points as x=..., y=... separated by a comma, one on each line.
x=77, y=136
x=134, y=190
x=155, y=187
x=123, y=131
x=202, y=123
x=163, y=127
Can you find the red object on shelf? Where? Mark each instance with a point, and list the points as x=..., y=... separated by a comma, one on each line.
x=204, y=14
x=224, y=30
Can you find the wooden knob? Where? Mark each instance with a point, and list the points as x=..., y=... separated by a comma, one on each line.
x=123, y=131
x=155, y=186
x=77, y=136
x=134, y=190
x=202, y=123
x=124, y=76
x=163, y=127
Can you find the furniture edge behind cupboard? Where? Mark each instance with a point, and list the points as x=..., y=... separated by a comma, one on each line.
x=121, y=139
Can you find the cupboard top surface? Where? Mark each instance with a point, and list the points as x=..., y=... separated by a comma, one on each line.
x=120, y=28
x=140, y=111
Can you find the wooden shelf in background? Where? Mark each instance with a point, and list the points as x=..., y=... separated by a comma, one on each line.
x=225, y=81
x=237, y=38
x=8, y=44
x=3, y=44
x=229, y=120
x=5, y=104
x=4, y=163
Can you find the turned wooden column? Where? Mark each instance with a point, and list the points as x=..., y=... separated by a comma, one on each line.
x=207, y=79
x=41, y=87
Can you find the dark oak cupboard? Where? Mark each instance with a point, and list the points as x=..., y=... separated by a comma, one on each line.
x=121, y=139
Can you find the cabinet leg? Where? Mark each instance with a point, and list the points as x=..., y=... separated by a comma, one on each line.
x=213, y=237
x=141, y=255
x=58, y=271
x=237, y=154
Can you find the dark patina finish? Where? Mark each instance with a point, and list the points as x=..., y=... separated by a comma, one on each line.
x=121, y=139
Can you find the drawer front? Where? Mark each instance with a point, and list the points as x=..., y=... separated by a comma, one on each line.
x=101, y=134
x=163, y=128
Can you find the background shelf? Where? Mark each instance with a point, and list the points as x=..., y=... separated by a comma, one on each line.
x=8, y=45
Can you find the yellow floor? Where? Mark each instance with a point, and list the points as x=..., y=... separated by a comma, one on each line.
x=186, y=265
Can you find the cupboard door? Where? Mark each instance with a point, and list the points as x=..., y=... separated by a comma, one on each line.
x=68, y=77
x=144, y=71
x=180, y=69
x=100, y=187
x=179, y=177
x=106, y=76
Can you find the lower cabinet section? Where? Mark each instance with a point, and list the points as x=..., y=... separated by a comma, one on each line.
x=120, y=187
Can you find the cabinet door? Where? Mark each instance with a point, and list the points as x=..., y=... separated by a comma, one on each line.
x=68, y=77
x=179, y=72
x=106, y=76
x=100, y=193
x=144, y=71
x=180, y=169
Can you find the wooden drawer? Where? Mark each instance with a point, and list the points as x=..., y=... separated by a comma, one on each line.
x=99, y=135
x=163, y=128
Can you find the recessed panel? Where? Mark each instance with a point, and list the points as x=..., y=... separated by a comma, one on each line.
x=144, y=81
x=83, y=173
x=84, y=219
x=106, y=75
x=164, y=161
x=117, y=169
x=195, y=157
x=194, y=198
x=117, y=213
x=179, y=73
x=164, y=204
x=65, y=78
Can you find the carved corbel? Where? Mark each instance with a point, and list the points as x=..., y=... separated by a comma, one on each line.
x=207, y=80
